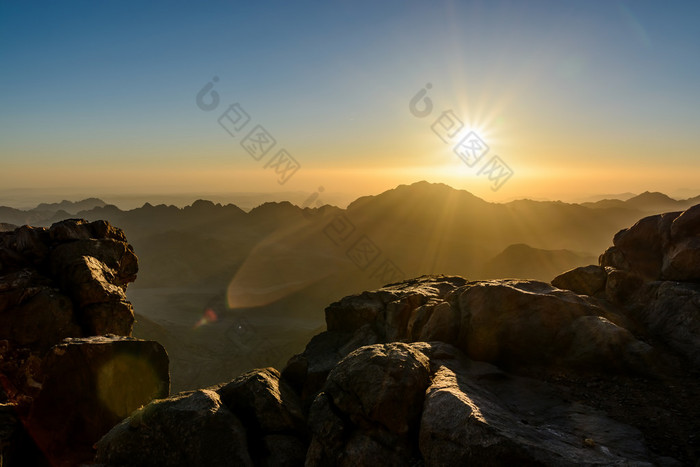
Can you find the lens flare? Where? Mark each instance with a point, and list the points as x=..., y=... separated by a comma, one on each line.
x=209, y=316
x=125, y=382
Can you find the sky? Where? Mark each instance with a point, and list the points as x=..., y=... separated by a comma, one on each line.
x=566, y=99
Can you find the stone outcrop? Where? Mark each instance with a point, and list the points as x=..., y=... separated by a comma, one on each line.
x=188, y=429
x=586, y=280
x=389, y=404
x=272, y=413
x=90, y=384
x=256, y=416
x=65, y=281
x=368, y=391
x=425, y=404
x=652, y=273
x=69, y=371
x=505, y=322
x=661, y=247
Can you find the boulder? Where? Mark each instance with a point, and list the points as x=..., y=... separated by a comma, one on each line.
x=358, y=418
x=475, y=414
x=35, y=316
x=88, y=385
x=94, y=273
x=17, y=286
x=260, y=398
x=329, y=432
x=661, y=247
x=113, y=317
x=516, y=322
x=116, y=256
x=365, y=384
x=307, y=372
x=687, y=224
x=596, y=342
x=585, y=280
x=672, y=312
x=682, y=260
x=355, y=311
x=192, y=428
x=388, y=309
x=88, y=281
x=65, y=281
x=622, y=287
x=397, y=314
x=80, y=229
x=641, y=247
x=613, y=258
x=32, y=244
x=272, y=414
x=433, y=322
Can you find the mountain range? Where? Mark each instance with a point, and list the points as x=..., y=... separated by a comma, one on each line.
x=646, y=202
x=269, y=270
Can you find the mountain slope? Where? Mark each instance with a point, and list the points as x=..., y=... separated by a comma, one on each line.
x=525, y=262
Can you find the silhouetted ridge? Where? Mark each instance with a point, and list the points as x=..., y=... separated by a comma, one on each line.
x=276, y=210
x=202, y=205
x=646, y=202
x=524, y=261
x=422, y=192
x=72, y=207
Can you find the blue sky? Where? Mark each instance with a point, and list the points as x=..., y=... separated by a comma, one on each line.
x=101, y=95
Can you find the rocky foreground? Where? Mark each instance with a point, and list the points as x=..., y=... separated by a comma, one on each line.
x=68, y=369
x=601, y=367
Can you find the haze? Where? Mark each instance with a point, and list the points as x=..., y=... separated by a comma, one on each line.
x=578, y=98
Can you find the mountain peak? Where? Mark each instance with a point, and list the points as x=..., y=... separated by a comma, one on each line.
x=652, y=196
x=418, y=192
x=201, y=204
x=275, y=207
x=424, y=185
x=654, y=201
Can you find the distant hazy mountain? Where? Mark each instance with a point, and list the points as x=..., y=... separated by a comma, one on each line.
x=445, y=223
x=47, y=213
x=71, y=207
x=647, y=202
x=523, y=261
x=11, y=215
x=621, y=196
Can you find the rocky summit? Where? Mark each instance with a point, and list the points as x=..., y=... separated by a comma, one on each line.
x=69, y=369
x=599, y=367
